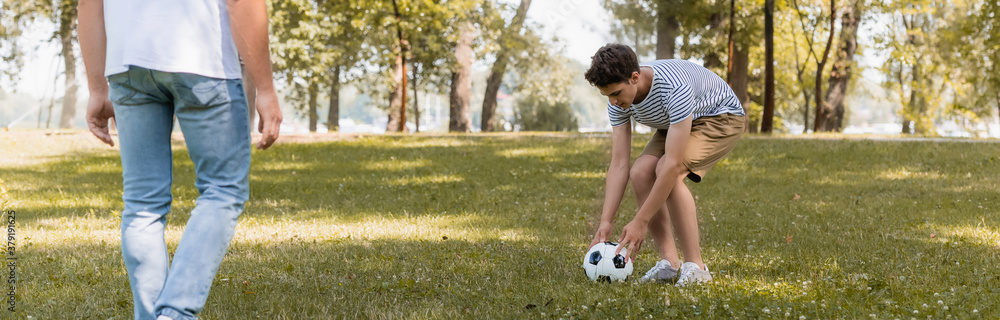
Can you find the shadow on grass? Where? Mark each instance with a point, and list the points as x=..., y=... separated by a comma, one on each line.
x=859, y=235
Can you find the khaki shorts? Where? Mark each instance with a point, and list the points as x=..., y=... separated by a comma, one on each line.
x=711, y=139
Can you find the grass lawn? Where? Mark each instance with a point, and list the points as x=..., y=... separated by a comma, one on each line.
x=496, y=227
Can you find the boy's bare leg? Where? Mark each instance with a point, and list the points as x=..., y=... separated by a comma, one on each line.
x=680, y=205
x=643, y=174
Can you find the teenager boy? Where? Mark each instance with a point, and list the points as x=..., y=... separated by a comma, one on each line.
x=167, y=58
x=698, y=120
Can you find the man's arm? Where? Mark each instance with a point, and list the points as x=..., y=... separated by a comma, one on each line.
x=668, y=170
x=617, y=179
x=93, y=44
x=248, y=23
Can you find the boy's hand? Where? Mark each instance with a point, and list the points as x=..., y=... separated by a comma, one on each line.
x=632, y=236
x=602, y=234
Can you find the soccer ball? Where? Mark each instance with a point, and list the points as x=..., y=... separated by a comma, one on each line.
x=601, y=263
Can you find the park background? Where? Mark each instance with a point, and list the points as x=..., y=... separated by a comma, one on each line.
x=888, y=67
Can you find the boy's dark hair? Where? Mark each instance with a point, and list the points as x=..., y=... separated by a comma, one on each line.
x=613, y=63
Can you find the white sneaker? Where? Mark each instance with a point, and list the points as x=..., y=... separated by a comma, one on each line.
x=163, y=318
x=692, y=274
x=662, y=271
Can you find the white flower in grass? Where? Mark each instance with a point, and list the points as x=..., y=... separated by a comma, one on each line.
x=940, y=302
x=975, y=310
x=946, y=308
x=766, y=310
x=802, y=317
x=925, y=306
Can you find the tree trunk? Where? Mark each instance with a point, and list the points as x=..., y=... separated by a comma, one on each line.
x=396, y=99
x=48, y=116
x=38, y=125
x=841, y=73
x=461, y=82
x=488, y=123
x=67, y=23
x=313, y=116
x=333, y=116
x=492, y=88
x=666, y=30
x=818, y=122
x=737, y=69
x=401, y=64
x=805, y=110
x=738, y=76
x=922, y=122
x=800, y=68
x=416, y=99
x=731, y=44
x=767, y=122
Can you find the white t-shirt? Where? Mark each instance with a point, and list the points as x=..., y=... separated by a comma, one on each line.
x=188, y=36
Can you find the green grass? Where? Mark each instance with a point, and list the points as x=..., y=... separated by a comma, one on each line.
x=496, y=227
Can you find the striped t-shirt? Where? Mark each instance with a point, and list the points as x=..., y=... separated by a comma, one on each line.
x=680, y=89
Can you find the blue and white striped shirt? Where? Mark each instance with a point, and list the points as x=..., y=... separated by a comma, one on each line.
x=680, y=89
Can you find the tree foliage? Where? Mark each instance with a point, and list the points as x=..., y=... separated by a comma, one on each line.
x=544, y=102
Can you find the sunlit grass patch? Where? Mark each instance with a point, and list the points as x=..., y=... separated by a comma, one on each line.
x=583, y=175
x=413, y=228
x=902, y=173
x=393, y=164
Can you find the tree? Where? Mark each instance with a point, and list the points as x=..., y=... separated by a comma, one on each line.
x=833, y=113
x=767, y=122
x=316, y=41
x=461, y=81
x=977, y=81
x=544, y=102
x=507, y=44
x=913, y=41
x=398, y=97
x=635, y=24
x=819, y=69
x=815, y=17
x=430, y=30
x=666, y=27
x=431, y=55
x=20, y=14
x=738, y=64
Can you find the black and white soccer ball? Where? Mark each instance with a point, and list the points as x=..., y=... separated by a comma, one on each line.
x=602, y=264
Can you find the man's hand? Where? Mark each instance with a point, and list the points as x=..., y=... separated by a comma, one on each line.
x=602, y=234
x=270, y=118
x=632, y=236
x=99, y=110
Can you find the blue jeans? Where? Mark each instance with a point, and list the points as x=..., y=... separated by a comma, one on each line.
x=214, y=118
